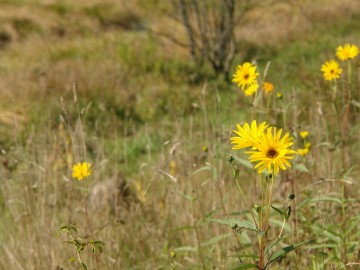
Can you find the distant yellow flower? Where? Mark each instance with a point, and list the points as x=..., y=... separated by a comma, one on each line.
x=140, y=192
x=304, y=134
x=81, y=170
x=204, y=148
x=268, y=87
x=251, y=90
x=331, y=70
x=245, y=75
x=303, y=152
x=279, y=95
x=347, y=52
x=248, y=135
x=307, y=145
x=172, y=166
x=272, y=151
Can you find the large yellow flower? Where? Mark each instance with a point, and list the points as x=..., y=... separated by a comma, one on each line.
x=347, y=52
x=245, y=75
x=81, y=170
x=248, y=135
x=331, y=70
x=272, y=151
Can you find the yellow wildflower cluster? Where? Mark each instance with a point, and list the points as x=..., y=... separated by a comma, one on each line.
x=246, y=76
x=331, y=69
x=307, y=145
x=81, y=171
x=267, y=146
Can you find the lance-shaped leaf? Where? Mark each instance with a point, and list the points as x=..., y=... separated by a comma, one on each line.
x=235, y=224
x=282, y=252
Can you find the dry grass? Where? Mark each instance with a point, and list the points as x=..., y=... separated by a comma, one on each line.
x=143, y=126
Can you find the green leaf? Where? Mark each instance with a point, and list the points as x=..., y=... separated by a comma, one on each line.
x=303, y=203
x=83, y=265
x=234, y=223
x=301, y=167
x=215, y=239
x=317, y=200
x=282, y=213
x=245, y=266
x=279, y=223
x=204, y=168
x=268, y=250
x=211, y=213
x=244, y=162
x=320, y=246
x=282, y=252
x=326, y=199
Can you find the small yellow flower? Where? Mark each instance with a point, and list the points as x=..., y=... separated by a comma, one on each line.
x=272, y=152
x=245, y=75
x=140, y=192
x=279, y=95
x=251, y=90
x=268, y=87
x=304, y=134
x=347, y=52
x=303, y=152
x=248, y=135
x=172, y=166
x=81, y=171
x=204, y=148
x=331, y=70
x=307, y=145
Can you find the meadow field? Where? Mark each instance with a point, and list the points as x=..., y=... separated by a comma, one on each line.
x=117, y=146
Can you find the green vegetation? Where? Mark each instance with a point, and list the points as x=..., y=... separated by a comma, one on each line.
x=98, y=83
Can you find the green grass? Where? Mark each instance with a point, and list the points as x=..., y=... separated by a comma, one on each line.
x=142, y=116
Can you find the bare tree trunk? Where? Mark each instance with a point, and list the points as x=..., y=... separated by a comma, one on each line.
x=210, y=31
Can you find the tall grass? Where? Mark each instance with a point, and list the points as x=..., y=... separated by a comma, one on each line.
x=158, y=140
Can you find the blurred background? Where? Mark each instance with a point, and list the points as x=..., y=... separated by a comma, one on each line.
x=142, y=90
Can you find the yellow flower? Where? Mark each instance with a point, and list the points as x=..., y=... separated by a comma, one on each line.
x=331, y=70
x=172, y=166
x=347, y=52
x=304, y=134
x=307, y=145
x=81, y=170
x=303, y=152
x=251, y=89
x=140, y=192
x=272, y=151
x=279, y=95
x=248, y=135
x=245, y=75
x=268, y=87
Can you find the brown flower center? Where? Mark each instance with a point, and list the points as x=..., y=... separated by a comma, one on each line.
x=246, y=76
x=272, y=153
x=332, y=71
